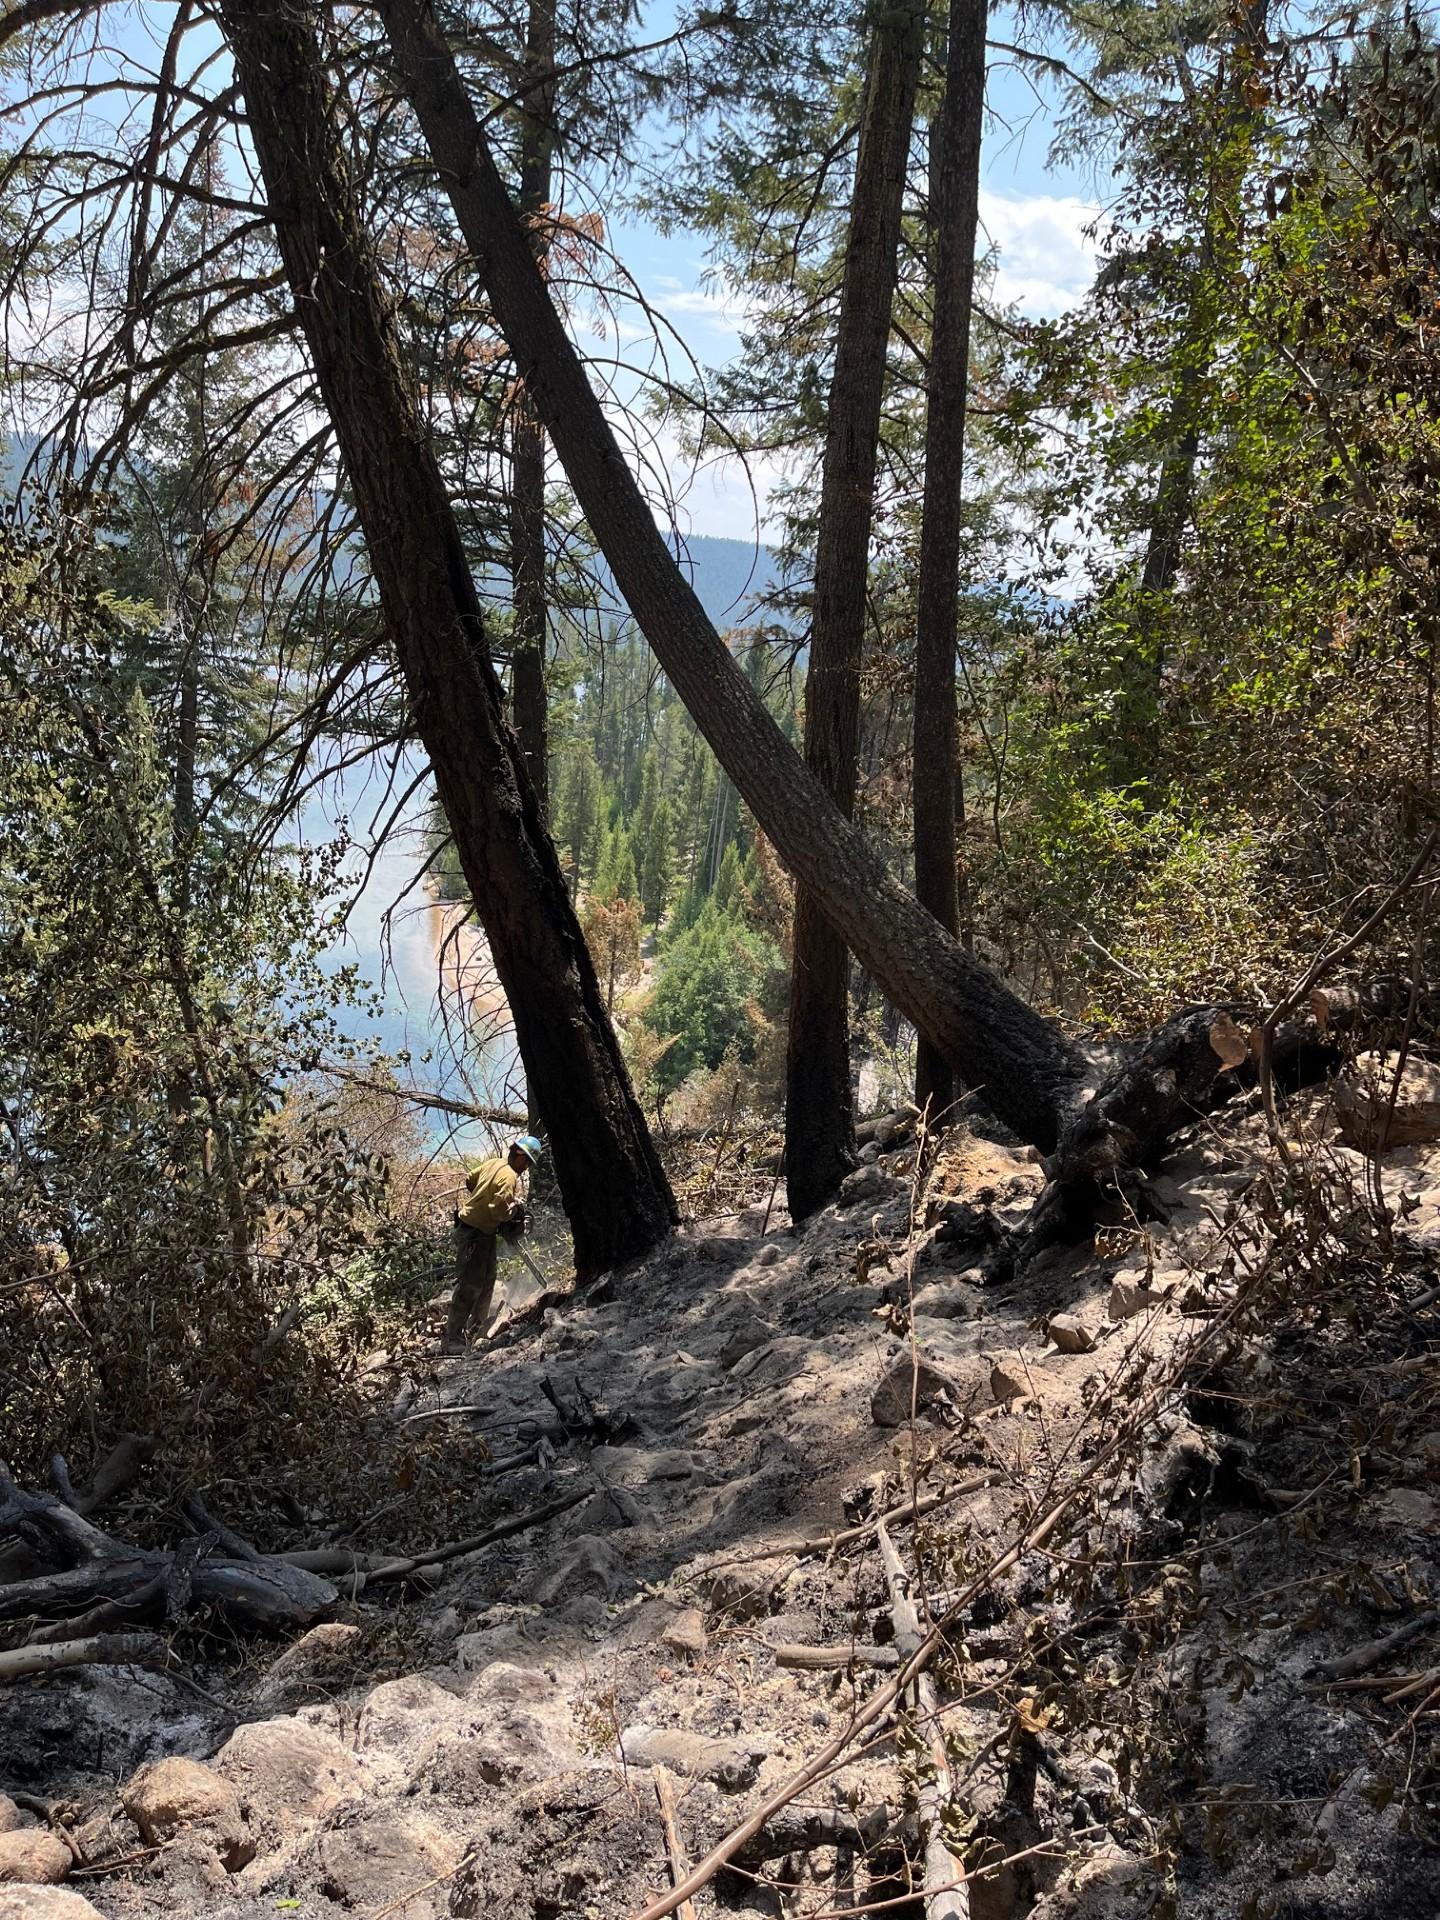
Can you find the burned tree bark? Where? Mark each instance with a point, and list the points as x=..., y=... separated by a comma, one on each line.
x=1024, y=1065
x=528, y=700
x=614, y=1188
x=819, y=1123
x=954, y=216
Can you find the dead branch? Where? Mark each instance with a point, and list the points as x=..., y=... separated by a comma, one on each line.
x=421, y=1563
x=1361, y=1659
x=109, y=1581
x=104, y=1650
x=946, y=1896
x=674, y=1845
x=833, y=1659
x=832, y=1542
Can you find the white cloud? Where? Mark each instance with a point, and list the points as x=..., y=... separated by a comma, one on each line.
x=1047, y=260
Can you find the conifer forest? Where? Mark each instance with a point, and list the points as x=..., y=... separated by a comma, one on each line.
x=719, y=846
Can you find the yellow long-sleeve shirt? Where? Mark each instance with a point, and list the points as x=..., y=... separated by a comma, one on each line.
x=489, y=1191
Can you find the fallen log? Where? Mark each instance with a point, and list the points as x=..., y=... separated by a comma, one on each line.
x=108, y=1580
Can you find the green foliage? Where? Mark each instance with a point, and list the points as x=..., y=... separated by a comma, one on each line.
x=162, y=1195
x=709, y=998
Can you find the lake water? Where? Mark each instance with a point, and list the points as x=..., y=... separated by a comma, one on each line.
x=426, y=966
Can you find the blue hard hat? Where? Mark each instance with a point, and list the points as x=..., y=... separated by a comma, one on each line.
x=529, y=1146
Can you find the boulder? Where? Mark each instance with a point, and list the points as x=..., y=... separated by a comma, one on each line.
x=286, y=1772
x=1069, y=1334
x=173, y=1795
x=1007, y=1382
x=731, y=1764
x=501, y=1683
x=866, y=1186
x=909, y=1382
x=11, y=1818
x=35, y=1855
x=379, y=1861
x=1363, y=1102
x=748, y=1333
x=45, y=1903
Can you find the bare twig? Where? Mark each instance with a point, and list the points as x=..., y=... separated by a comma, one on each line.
x=674, y=1845
x=832, y=1542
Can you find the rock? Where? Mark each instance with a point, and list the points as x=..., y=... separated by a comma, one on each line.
x=174, y=1795
x=524, y=1686
x=45, y=1903
x=1069, y=1334
x=745, y=1592
x=866, y=1185
x=731, y=1764
x=590, y=1564
x=400, y=1718
x=1108, y=1886
x=11, y=1818
x=380, y=1860
x=446, y=1628
x=767, y=1255
x=317, y=1661
x=1129, y=1295
x=943, y=1300
x=750, y=1333
x=1362, y=1102
x=287, y=1772
x=686, y=1632
x=33, y=1855
x=909, y=1383
x=1006, y=1383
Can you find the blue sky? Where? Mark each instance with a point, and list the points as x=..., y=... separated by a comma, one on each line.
x=1033, y=214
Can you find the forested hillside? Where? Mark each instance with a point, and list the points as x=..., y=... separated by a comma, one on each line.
x=853, y=590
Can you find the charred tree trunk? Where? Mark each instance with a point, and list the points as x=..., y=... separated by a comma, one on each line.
x=528, y=699
x=1026, y=1069
x=613, y=1185
x=819, y=1121
x=954, y=217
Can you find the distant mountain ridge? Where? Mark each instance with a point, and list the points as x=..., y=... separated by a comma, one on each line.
x=726, y=575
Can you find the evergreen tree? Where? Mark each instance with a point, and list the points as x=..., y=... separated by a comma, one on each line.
x=657, y=864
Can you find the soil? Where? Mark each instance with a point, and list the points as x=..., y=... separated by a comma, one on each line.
x=1134, y=1705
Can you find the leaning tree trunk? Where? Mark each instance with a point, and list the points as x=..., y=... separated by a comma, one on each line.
x=613, y=1185
x=527, y=435
x=819, y=1123
x=1025, y=1068
x=954, y=217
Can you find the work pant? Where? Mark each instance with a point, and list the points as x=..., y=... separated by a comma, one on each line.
x=476, y=1261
